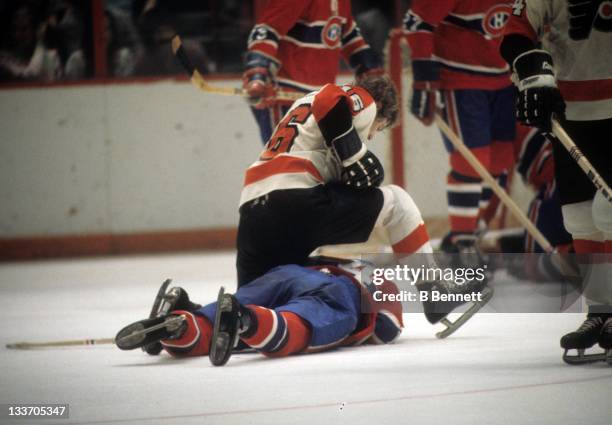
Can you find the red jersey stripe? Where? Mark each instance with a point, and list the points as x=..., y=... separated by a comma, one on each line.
x=279, y=165
x=584, y=91
x=413, y=241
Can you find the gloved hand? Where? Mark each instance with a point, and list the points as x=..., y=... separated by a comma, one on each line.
x=424, y=90
x=258, y=81
x=538, y=98
x=367, y=171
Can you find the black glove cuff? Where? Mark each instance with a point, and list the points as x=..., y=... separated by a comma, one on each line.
x=534, y=68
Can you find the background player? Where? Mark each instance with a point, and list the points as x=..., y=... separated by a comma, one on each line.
x=454, y=48
x=573, y=78
x=297, y=46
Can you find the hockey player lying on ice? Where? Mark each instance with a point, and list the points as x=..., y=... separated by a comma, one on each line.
x=291, y=309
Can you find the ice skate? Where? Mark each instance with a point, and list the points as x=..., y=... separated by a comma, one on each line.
x=586, y=336
x=150, y=331
x=437, y=311
x=231, y=319
x=166, y=301
x=605, y=339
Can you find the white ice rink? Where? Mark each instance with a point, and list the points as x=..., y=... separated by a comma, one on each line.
x=498, y=369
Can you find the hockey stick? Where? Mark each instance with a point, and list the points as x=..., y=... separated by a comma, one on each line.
x=499, y=191
x=581, y=160
x=66, y=343
x=198, y=80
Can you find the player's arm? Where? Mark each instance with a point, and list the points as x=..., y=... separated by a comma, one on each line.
x=419, y=25
x=362, y=59
x=332, y=109
x=533, y=68
x=262, y=61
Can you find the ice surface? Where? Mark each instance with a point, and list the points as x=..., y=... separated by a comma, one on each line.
x=498, y=369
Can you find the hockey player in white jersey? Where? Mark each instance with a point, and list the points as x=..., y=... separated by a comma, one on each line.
x=316, y=183
x=571, y=78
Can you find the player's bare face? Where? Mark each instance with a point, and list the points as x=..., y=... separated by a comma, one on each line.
x=379, y=124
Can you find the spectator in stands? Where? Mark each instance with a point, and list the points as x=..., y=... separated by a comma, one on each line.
x=123, y=44
x=23, y=54
x=65, y=31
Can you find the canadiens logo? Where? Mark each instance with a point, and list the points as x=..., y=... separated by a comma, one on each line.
x=495, y=20
x=605, y=10
x=332, y=32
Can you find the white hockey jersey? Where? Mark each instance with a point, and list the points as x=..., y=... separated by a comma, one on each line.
x=578, y=35
x=297, y=155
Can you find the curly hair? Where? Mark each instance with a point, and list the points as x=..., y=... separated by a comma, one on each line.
x=383, y=91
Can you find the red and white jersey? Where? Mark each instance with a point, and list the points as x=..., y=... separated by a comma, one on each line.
x=578, y=35
x=306, y=39
x=297, y=155
x=464, y=37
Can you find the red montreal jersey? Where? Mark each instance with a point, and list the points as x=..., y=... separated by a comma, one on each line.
x=306, y=39
x=463, y=36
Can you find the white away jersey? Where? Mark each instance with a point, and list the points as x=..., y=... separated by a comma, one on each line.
x=297, y=155
x=578, y=35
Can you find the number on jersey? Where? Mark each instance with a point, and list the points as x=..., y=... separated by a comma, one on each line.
x=286, y=132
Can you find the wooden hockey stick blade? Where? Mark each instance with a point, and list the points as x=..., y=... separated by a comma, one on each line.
x=198, y=80
x=581, y=160
x=499, y=191
x=66, y=343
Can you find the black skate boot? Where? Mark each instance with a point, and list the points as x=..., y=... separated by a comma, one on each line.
x=165, y=302
x=231, y=320
x=586, y=336
x=456, y=295
x=463, y=250
x=150, y=331
x=605, y=339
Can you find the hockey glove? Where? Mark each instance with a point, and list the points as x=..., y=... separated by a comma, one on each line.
x=258, y=81
x=367, y=171
x=538, y=98
x=424, y=90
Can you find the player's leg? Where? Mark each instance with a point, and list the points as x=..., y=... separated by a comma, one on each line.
x=313, y=320
x=401, y=219
x=503, y=134
x=586, y=218
x=285, y=311
x=274, y=230
x=173, y=324
x=467, y=112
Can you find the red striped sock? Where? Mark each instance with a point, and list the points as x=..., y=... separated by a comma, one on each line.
x=196, y=339
x=278, y=334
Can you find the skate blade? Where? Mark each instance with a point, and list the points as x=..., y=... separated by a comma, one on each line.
x=217, y=355
x=155, y=348
x=130, y=337
x=582, y=358
x=133, y=336
x=452, y=327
